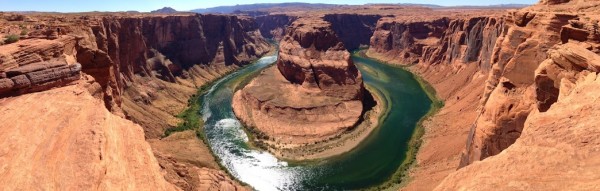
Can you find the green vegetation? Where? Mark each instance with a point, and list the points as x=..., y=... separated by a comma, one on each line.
x=191, y=118
x=24, y=32
x=11, y=39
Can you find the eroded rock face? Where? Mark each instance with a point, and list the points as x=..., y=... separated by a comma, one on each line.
x=311, y=55
x=154, y=64
x=65, y=139
x=556, y=138
x=527, y=75
x=353, y=29
x=313, y=94
x=37, y=65
x=273, y=26
x=432, y=41
x=513, y=90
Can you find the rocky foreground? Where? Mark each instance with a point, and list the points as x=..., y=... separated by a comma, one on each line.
x=312, y=95
x=82, y=94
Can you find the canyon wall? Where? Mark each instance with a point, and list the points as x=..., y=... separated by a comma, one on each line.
x=513, y=88
x=139, y=67
x=353, y=29
x=273, y=26
x=152, y=65
x=452, y=53
x=538, y=104
x=500, y=76
x=435, y=41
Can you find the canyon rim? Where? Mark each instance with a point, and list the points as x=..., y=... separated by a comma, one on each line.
x=113, y=100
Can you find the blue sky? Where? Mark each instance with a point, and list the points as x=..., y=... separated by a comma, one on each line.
x=148, y=5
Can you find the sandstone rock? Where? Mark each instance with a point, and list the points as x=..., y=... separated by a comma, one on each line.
x=571, y=56
x=554, y=150
x=42, y=76
x=6, y=85
x=311, y=55
x=312, y=95
x=516, y=59
x=433, y=41
x=21, y=81
x=35, y=67
x=113, y=52
x=453, y=53
x=31, y=51
x=573, y=33
x=553, y=2
x=120, y=54
x=65, y=139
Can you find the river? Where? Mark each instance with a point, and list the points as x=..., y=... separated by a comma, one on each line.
x=372, y=163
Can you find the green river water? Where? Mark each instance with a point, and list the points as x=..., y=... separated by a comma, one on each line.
x=370, y=164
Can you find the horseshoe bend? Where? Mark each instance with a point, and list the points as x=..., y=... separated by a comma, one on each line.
x=313, y=94
x=300, y=96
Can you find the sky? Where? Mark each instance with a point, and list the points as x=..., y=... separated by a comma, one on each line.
x=185, y=5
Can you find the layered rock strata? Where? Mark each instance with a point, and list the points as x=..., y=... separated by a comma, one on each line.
x=143, y=68
x=440, y=40
x=512, y=90
x=37, y=65
x=313, y=94
x=552, y=79
x=561, y=134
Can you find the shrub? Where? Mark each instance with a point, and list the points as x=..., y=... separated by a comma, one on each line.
x=24, y=32
x=11, y=39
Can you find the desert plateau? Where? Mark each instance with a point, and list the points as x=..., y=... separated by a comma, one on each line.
x=278, y=96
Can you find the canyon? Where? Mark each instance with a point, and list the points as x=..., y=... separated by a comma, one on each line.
x=86, y=98
x=313, y=94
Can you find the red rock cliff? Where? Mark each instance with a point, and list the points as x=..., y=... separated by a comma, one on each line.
x=536, y=120
x=436, y=40
x=156, y=63
x=273, y=26
x=513, y=90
